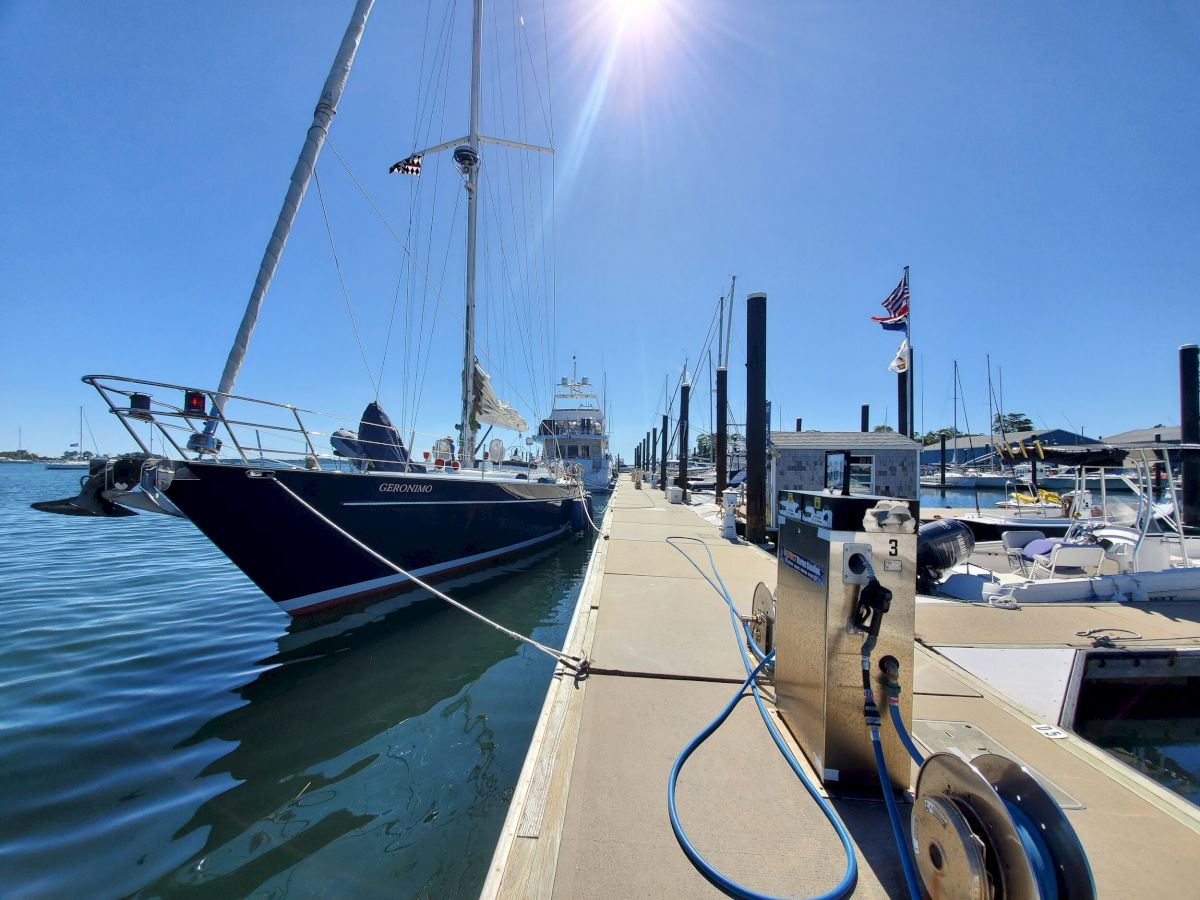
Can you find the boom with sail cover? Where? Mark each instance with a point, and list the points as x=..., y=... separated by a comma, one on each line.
x=490, y=409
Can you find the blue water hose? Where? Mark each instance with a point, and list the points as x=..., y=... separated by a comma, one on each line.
x=850, y=878
x=910, y=873
x=1036, y=852
x=877, y=602
x=898, y=723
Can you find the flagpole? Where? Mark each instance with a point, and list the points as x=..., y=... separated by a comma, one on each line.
x=911, y=355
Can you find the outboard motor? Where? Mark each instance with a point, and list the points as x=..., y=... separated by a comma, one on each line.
x=941, y=545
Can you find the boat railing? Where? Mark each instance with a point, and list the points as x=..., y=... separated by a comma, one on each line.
x=190, y=424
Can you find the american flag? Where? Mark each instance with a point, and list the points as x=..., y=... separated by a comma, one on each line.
x=896, y=305
x=410, y=165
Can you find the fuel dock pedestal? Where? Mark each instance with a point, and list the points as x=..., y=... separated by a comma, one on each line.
x=829, y=547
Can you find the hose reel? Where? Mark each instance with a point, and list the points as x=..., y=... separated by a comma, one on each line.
x=987, y=829
x=761, y=620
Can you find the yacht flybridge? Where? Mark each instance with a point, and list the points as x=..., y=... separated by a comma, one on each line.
x=573, y=435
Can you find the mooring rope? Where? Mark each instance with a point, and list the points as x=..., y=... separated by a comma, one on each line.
x=573, y=663
x=582, y=498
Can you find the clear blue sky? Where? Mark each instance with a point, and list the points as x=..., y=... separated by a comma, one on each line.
x=1035, y=164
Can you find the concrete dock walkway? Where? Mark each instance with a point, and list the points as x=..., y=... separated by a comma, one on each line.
x=589, y=813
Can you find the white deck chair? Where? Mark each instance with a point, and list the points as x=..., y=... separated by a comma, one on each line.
x=1014, y=542
x=1070, y=560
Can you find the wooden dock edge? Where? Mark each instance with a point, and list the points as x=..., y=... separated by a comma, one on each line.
x=523, y=864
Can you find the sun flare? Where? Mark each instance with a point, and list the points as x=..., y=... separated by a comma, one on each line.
x=635, y=13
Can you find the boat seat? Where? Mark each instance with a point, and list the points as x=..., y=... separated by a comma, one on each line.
x=1070, y=560
x=1014, y=542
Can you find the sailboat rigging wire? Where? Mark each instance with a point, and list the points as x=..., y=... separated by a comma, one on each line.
x=425, y=275
x=342, y=281
x=966, y=421
x=412, y=382
x=418, y=387
x=525, y=334
x=331, y=93
x=532, y=183
x=571, y=662
x=428, y=352
x=518, y=16
x=526, y=282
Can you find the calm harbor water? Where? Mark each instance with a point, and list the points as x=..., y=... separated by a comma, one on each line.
x=962, y=498
x=165, y=731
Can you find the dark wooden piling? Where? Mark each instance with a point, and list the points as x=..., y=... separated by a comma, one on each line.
x=684, y=396
x=722, y=429
x=662, y=463
x=756, y=413
x=1189, y=428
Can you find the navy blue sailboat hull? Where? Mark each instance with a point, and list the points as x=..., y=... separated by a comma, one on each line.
x=431, y=525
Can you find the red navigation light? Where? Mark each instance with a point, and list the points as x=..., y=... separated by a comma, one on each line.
x=455, y=465
x=426, y=456
x=193, y=403
x=439, y=462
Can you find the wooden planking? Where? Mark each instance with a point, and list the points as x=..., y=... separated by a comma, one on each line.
x=535, y=801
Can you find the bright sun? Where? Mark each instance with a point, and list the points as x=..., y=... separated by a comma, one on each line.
x=635, y=12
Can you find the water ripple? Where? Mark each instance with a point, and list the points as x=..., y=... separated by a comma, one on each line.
x=166, y=731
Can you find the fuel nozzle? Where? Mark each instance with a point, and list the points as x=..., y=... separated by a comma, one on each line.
x=873, y=601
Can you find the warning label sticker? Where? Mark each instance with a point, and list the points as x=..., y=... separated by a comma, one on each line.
x=812, y=571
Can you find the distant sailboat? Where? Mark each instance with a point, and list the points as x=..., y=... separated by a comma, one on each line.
x=78, y=462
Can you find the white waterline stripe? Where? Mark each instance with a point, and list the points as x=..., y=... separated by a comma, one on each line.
x=450, y=502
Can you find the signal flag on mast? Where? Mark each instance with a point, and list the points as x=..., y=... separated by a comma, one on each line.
x=410, y=165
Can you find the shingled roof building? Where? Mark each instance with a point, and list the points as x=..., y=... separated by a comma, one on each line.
x=881, y=462
x=1159, y=434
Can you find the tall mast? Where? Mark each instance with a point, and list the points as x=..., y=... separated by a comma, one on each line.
x=331, y=93
x=721, y=330
x=991, y=420
x=471, y=164
x=954, y=389
x=729, y=325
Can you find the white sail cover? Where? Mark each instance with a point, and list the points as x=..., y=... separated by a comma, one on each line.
x=490, y=409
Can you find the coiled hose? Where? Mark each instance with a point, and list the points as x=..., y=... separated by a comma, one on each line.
x=722, y=882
